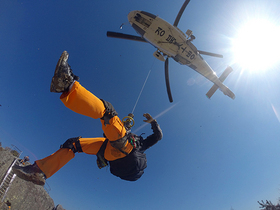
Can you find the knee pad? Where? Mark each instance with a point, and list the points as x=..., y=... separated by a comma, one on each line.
x=69, y=144
x=109, y=113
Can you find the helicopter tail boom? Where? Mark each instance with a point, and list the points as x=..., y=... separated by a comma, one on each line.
x=223, y=88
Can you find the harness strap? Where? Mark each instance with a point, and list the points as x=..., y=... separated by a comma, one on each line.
x=119, y=144
x=123, y=152
x=101, y=161
x=110, y=112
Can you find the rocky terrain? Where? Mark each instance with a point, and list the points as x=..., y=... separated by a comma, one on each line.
x=21, y=194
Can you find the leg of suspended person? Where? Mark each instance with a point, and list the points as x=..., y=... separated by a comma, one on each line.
x=51, y=164
x=114, y=130
x=78, y=99
x=81, y=101
x=91, y=145
x=74, y=96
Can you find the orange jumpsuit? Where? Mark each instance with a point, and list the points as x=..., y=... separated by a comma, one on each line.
x=80, y=100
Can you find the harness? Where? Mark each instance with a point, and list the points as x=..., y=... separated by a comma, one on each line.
x=102, y=162
x=128, y=122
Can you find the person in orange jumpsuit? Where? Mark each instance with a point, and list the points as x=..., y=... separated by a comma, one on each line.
x=123, y=150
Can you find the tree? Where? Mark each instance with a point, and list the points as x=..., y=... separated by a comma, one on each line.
x=268, y=205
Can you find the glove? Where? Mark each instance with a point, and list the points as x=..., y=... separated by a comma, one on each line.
x=149, y=118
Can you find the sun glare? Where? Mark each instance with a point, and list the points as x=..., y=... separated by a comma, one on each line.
x=257, y=45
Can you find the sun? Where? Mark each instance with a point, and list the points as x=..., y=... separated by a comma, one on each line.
x=257, y=44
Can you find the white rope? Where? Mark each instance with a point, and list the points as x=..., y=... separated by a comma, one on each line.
x=142, y=88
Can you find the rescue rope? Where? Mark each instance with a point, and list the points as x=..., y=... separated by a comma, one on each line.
x=143, y=87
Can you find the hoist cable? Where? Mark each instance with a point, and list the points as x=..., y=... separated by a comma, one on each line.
x=142, y=88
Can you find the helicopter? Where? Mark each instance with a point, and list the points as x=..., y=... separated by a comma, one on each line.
x=170, y=41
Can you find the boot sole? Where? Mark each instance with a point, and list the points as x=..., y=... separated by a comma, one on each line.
x=35, y=178
x=63, y=58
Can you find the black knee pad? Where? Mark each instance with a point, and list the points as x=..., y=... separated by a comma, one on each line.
x=70, y=144
x=109, y=113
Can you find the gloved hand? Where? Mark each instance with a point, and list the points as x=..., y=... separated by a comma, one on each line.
x=149, y=118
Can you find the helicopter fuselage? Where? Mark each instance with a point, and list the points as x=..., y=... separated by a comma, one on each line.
x=171, y=41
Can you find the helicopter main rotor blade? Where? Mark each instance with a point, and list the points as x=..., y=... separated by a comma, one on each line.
x=125, y=36
x=167, y=80
x=210, y=54
x=180, y=13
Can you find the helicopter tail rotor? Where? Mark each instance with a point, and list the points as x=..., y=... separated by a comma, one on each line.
x=222, y=87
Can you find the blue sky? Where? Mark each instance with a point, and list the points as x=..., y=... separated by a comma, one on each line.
x=215, y=154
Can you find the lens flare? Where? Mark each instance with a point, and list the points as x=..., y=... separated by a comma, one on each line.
x=256, y=45
x=159, y=115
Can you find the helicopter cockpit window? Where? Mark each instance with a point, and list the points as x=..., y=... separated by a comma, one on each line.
x=142, y=20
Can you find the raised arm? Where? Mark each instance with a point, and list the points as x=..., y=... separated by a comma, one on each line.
x=157, y=133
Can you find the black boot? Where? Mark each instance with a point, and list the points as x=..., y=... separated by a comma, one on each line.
x=30, y=173
x=63, y=75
